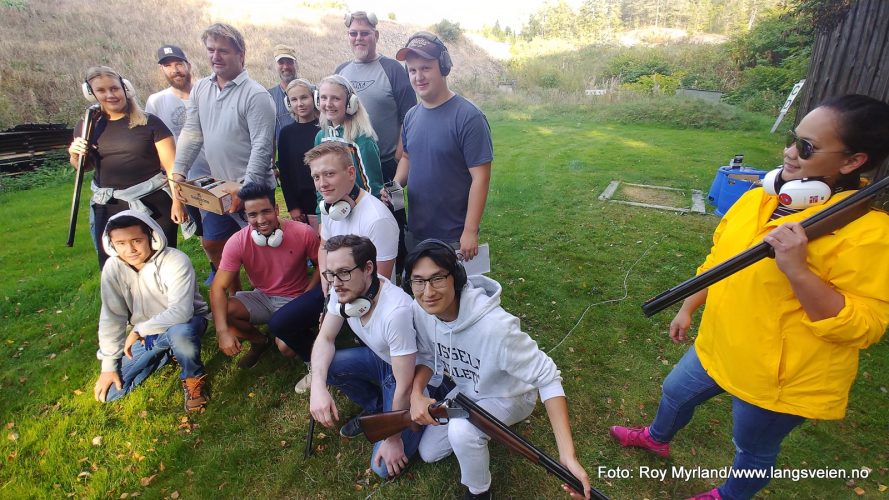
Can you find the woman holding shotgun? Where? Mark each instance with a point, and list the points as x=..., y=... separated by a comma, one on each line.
x=130, y=150
x=782, y=336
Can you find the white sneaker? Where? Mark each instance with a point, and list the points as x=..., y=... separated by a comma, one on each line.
x=304, y=384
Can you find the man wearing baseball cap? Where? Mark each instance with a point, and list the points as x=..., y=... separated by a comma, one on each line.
x=170, y=106
x=288, y=68
x=447, y=152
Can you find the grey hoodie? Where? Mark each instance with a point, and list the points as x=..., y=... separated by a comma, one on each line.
x=162, y=294
x=484, y=350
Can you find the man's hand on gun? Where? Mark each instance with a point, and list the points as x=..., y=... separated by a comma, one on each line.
x=420, y=410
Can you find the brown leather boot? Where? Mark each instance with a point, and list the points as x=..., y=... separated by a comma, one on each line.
x=195, y=389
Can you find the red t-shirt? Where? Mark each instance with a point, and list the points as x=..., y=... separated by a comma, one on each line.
x=280, y=271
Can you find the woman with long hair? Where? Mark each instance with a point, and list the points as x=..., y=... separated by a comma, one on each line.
x=816, y=305
x=343, y=118
x=295, y=140
x=132, y=153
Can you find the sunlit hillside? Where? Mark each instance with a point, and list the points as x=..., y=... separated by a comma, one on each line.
x=46, y=46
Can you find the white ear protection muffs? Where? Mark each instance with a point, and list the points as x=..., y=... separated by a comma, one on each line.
x=371, y=18
x=359, y=306
x=312, y=90
x=273, y=240
x=156, y=243
x=128, y=89
x=352, y=101
x=798, y=193
x=341, y=209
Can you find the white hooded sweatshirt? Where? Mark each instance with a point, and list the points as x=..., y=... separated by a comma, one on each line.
x=484, y=350
x=162, y=294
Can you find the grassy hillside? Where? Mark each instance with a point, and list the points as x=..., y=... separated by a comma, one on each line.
x=53, y=42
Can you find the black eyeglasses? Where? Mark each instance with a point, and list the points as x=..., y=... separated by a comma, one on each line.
x=437, y=282
x=362, y=34
x=344, y=275
x=804, y=147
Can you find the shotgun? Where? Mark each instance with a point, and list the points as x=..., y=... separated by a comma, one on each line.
x=830, y=219
x=383, y=425
x=86, y=134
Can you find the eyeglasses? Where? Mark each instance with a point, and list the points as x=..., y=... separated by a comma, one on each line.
x=437, y=282
x=804, y=147
x=362, y=34
x=344, y=275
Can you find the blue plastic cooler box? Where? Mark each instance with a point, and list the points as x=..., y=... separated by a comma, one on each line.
x=727, y=188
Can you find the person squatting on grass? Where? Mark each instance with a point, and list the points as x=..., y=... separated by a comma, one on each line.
x=232, y=118
x=791, y=353
x=152, y=287
x=462, y=331
x=130, y=150
x=447, y=157
x=344, y=119
x=297, y=139
x=347, y=209
x=377, y=375
x=273, y=252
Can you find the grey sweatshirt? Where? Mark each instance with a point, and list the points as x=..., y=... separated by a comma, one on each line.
x=162, y=294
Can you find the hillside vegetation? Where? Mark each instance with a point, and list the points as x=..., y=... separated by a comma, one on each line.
x=53, y=42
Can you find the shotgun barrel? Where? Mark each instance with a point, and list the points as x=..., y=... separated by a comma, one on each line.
x=86, y=134
x=830, y=219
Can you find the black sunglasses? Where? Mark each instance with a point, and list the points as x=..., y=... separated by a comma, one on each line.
x=804, y=147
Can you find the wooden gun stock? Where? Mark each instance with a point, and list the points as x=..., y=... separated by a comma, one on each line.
x=86, y=134
x=830, y=219
x=379, y=426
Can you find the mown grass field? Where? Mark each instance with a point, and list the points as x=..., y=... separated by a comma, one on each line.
x=555, y=248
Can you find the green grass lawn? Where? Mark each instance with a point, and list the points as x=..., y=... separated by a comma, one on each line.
x=555, y=248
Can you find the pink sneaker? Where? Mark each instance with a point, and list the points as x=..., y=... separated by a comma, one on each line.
x=708, y=495
x=640, y=438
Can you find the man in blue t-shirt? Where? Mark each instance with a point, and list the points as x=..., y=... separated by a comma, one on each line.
x=447, y=152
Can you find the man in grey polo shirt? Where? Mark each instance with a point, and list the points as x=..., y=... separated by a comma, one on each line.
x=233, y=118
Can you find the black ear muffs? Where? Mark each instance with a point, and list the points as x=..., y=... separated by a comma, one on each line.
x=459, y=272
x=444, y=57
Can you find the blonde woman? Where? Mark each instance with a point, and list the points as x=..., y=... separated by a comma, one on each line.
x=343, y=118
x=295, y=140
x=129, y=150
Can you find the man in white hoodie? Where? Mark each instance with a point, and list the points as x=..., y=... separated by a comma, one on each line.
x=151, y=287
x=463, y=331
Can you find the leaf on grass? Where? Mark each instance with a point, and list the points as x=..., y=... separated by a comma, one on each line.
x=143, y=413
x=174, y=495
x=145, y=481
x=252, y=394
x=97, y=441
x=694, y=452
x=13, y=436
x=52, y=356
x=124, y=495
x=882, y=487
x=189, y=472
x=859, y=491
x=163, y=467
x=321, y=435
x=77, y=392
x=84, y=474
x=10, y=425
x=283, y=444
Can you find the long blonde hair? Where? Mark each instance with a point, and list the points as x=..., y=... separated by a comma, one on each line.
x=354, y=125
x=135, y=114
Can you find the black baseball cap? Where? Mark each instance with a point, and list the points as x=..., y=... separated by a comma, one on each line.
x=168, y=51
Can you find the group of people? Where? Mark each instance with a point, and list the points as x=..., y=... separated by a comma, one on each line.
x=334, y=265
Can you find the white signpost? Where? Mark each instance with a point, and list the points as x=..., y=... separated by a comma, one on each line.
x=788, y=103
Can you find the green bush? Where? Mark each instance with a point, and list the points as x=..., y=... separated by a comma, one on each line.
x=549, y=80
x=655, y=84
x=448, y=31
x=631, y=65
x=763, y=88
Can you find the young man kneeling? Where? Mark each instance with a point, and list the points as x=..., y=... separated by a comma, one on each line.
x=153, y=288
x=463, y=331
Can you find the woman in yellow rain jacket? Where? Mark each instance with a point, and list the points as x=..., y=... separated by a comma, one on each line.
x=782, y=336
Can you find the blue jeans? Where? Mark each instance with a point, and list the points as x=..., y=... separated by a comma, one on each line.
x=756, y=432
x=182, y=340
x=368, y=381
x=296, y=323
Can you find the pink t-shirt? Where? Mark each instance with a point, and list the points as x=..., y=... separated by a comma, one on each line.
x=279, y=271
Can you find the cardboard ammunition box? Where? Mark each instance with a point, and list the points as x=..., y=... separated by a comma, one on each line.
x=208, y=193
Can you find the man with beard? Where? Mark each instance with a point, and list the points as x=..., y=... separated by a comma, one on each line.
x=170, y=106
x=285, y=60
